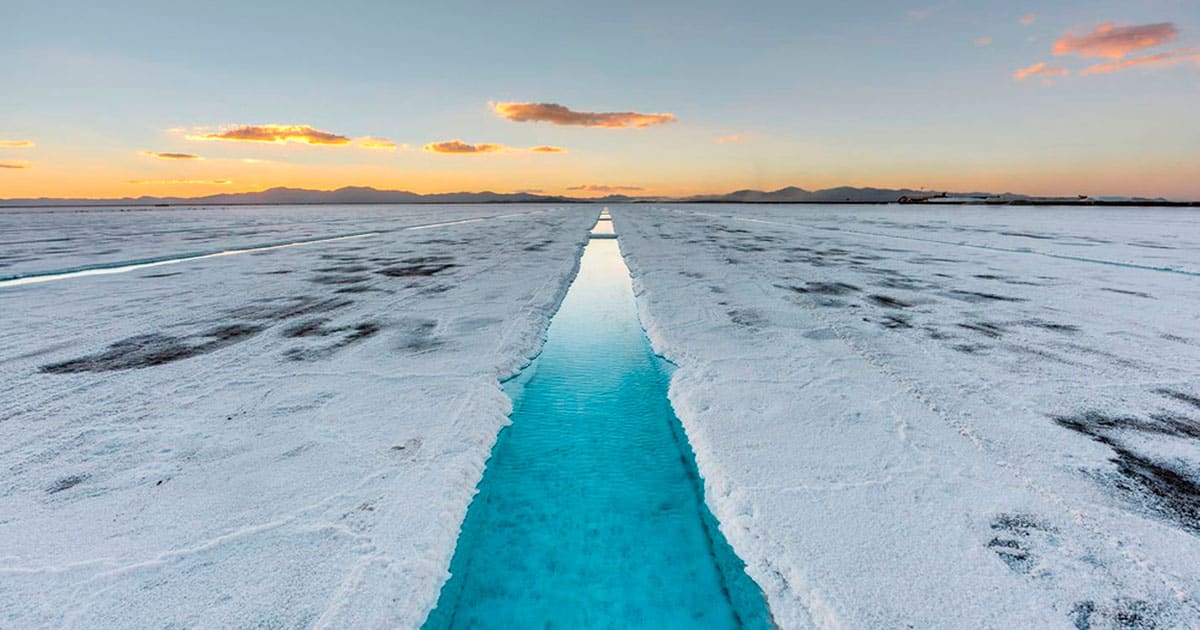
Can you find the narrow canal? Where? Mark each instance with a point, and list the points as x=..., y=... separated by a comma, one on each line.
x=590, y=513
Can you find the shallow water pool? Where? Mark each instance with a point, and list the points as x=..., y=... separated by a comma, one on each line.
x=590, y=513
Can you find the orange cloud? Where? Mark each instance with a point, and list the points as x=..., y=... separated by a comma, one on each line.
x=379, y=144
x=1168, y=58
x=1039, y=69
x=278, y=134
x=462, y=148
x=605, y=188
x=736, y=137
x=1115, y=42
x=983, y=41
x=15, y=165
x=547, y=149
x=1028, y=19
x=17, y=144
x=560, y=115
x=171, y=156
x=220, y=182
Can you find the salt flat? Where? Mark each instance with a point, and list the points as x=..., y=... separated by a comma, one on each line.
x=48, y=239
x=281, y=438
x=939, y=417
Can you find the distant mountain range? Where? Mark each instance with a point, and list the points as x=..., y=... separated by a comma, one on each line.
x=791, y=194
x=290, y=196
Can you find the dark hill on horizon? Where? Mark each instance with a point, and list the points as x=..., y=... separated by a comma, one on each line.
x=368, y=195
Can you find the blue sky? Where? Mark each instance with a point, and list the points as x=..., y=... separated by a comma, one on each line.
x=799, y=93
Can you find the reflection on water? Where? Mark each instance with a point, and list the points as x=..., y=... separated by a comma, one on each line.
x=603, y=227
x=590, y=512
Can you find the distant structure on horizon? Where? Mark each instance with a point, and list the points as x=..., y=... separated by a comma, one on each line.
x=788, y=195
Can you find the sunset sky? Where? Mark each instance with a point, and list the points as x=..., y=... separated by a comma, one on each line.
x=112, y=99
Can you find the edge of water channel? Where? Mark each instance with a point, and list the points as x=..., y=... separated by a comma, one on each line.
x=513, y=384
x=723, y=512
x=505, y=377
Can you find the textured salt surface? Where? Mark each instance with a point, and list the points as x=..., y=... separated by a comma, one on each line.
x=36, y=240
x=911, y=416
x=279, y=438
x=902, y=415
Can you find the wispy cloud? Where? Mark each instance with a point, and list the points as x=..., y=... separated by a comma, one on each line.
x=1039, y=70
x=17, y=144
x=218, y=182
x=1115, y=42
x=984, y=41
x=605, y=188
x=379, y=144
x=171, y=156
x=1028, y=19
x=561, y=115
x=458, y=147
x=545, y=148
x=1168, y=58
x=277, y=134
x=733, y=137
x=923, y=13
x=17, y=165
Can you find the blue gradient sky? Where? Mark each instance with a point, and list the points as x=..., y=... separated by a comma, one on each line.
x=804, y=93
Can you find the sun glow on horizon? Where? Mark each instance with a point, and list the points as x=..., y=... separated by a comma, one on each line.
x=1054, y=102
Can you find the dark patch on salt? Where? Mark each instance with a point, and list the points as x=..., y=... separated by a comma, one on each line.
x=66, y=483
x=827, y=288
x=978, y=296
x=1040, y=237
x=995, y=331
x=280, y=309
x=1051, y=326
x=746, y=317
x=1013, y=542
x=415, y=270
x=896, y=322
x=350, y=336
x=1164, y=487
x=888, y=301
x=144, y=351
x=1182, y=397
x=1127, y=292
x=336, y=280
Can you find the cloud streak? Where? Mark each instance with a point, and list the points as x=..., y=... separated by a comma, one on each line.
x=1039, y=70
x=458, y=147
x=1110, y=41
x=218, y=182
x=171, y=156
x=560, y=115
x=1168, y=58
x=545, y=148
x=1028, y=19
x=277, y=134
x=605, y=188
x=735, y=137
x=378, y=144
x=15, y=165
x=17, y=144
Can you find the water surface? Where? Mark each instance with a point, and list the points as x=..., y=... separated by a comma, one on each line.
x=590, y=513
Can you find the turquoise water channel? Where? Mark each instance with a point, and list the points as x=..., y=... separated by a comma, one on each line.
x=590, y=513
